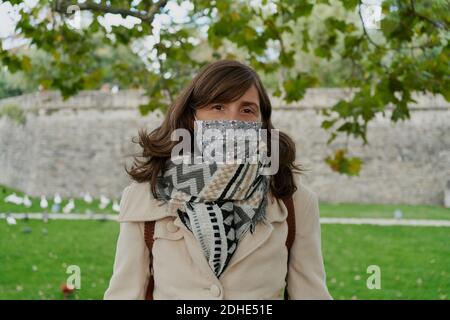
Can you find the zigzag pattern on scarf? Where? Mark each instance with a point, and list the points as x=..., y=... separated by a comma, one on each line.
x=217, y=203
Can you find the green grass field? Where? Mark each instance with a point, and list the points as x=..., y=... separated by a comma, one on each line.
x=33, y=265
x=414, y=261
x=361, y=210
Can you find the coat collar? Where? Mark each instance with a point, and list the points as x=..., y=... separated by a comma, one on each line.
x=138, y=205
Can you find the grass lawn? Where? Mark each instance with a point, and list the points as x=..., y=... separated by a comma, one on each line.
x=361, y=210
x=414, y=261
x=33, y=265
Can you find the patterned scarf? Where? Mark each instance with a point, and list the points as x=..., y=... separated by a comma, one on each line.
x=218, y=202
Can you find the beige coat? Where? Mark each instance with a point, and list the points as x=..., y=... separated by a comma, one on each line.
x=257, y=269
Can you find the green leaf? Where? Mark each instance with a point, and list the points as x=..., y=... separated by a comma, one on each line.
x=326, y=124
x=350, y=4
x=343, y=164
x=26, y=63
x=152, y=105
x=301, y=9
x=335, y=24
x=343, y=108
x=295, y=88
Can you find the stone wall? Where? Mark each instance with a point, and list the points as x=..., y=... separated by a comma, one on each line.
x=81, y=145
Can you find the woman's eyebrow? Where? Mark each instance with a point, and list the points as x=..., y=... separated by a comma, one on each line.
x=249, y=102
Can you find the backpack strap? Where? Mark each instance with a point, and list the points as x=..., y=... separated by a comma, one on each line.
x=149, y=230
x=289, y=203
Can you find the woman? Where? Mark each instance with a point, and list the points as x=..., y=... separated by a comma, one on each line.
x=201, y=248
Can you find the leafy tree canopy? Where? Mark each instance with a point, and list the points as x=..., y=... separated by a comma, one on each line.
x=409, y=52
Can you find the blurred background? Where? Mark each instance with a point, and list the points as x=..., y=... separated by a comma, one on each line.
x=361, y=86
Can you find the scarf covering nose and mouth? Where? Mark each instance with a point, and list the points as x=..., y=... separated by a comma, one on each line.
x=217, y=201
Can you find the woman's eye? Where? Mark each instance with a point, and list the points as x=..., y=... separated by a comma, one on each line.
x=217, y=107
x=248, y=110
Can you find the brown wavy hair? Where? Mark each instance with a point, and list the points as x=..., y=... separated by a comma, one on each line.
x=221, y=81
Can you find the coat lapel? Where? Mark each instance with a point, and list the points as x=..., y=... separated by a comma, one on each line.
x=247, y=245
x=143, y=207
x=252, y=241
x=194, y=250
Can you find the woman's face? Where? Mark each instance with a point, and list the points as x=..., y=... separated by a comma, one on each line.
x=246, y=108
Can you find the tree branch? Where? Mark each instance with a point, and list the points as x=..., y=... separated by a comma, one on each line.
x=424, y=18
x=61, y=6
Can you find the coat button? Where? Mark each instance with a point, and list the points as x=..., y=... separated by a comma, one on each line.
x=215, y=290
x=171, y=227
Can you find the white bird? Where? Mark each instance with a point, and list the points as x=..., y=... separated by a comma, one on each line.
x=398, y=214
x=27, y=202
x=57, y=198
x=104, y=201
x=69, y=206
x=87, y=198
x=56, y=207
x=44, y=202
x=115, y=206
x=11, y=220
x=13, y=198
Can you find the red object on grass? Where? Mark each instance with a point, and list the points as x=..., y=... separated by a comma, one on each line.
x=66, y=290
